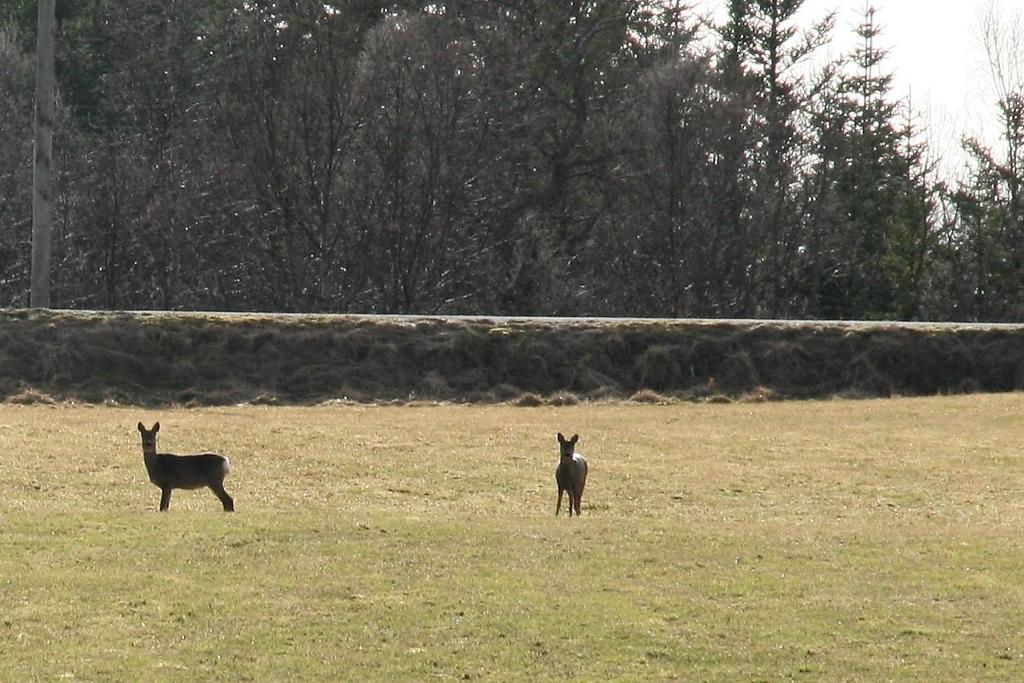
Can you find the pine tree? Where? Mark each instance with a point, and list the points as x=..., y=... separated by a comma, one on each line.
x=761, y=48
x=874, y=196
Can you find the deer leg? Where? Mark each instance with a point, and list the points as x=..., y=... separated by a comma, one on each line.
x=576, y=499
x=225, y=499
x=165, y=498
x=559, y=506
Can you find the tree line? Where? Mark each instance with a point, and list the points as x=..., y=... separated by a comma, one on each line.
x=562, y=157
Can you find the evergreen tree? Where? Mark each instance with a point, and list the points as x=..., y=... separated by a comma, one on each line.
x=872, y=195
x=762, y=45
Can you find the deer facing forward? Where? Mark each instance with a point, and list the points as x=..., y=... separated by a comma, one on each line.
x=171, y=472
x=571, y=474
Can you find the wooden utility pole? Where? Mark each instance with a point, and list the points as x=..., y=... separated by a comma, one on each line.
x=42, y=170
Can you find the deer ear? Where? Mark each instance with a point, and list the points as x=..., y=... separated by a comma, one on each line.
x=574, y=439
x=561, y=439
x=141, y=428
x=156, y=427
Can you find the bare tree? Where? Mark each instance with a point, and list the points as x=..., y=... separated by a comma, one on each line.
x=1003, y=41
x=15, y=156
x=986, y=256
x=287, y=115
x=42, y=176
x=424, y=145
x=686, y=184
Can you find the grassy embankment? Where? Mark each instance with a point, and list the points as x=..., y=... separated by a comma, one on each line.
x=208, y=359
x=837, y=540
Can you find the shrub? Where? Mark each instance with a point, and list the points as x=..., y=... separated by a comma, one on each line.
x=528, y=400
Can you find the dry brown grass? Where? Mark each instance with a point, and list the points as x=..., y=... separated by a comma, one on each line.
x=205, y=359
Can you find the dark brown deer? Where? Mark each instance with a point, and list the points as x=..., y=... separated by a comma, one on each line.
x=171, y=472
x=571, y=474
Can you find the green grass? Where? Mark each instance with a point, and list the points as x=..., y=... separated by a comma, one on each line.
x=836, y=540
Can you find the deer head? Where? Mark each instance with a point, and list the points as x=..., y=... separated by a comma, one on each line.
x=149, y=437
x=567, y=447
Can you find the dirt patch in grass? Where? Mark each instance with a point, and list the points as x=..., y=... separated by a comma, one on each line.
x=210, y=359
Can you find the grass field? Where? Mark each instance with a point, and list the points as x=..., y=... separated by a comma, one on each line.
x=833, y=540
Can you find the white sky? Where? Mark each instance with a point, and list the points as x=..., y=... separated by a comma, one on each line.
x=935, y=55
